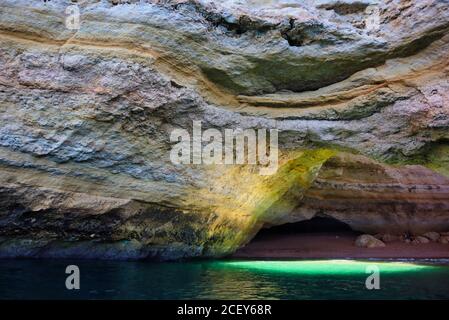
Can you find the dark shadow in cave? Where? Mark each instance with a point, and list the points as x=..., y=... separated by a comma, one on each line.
x=319, y=237
x=314, y=225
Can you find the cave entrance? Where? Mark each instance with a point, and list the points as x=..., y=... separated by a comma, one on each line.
x=319, y=237
x=314, y=225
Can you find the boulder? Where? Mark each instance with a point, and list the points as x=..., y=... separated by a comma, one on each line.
x=368, y=241
x=420, y=240
x=444, y=239
x=432, y=236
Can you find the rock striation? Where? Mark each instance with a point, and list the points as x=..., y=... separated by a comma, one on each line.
x=370, y=196
x=358, y=91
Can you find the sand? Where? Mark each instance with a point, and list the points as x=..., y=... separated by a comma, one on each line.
x=334, y=246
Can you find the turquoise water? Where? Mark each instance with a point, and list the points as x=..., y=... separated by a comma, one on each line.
x=329, y=279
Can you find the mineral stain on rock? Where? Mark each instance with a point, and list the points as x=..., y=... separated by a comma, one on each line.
x=86, y=116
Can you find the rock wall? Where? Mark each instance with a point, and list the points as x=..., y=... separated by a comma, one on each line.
x=361, y=106
x=371, y=197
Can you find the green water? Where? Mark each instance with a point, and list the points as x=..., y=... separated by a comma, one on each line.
x=328, y=279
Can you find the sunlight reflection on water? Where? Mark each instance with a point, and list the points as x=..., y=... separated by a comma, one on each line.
x=242, y=279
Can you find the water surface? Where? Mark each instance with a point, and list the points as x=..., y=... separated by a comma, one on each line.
x=241, y=279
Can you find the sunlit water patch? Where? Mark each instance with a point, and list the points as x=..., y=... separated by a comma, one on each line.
x=326, y=267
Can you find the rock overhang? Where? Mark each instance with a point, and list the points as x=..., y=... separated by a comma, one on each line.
x=87, y=115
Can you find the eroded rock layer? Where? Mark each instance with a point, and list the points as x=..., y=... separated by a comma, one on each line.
x=370, y=196
x=358, y=91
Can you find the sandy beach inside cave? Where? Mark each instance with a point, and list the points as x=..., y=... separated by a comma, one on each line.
x=334, y=246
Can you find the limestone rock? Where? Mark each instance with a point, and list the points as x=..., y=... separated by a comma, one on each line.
x=433, y=236
x=368, y=241
x=444, y=239
x=361, y=193
x=358, y=91
x=420, y=240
